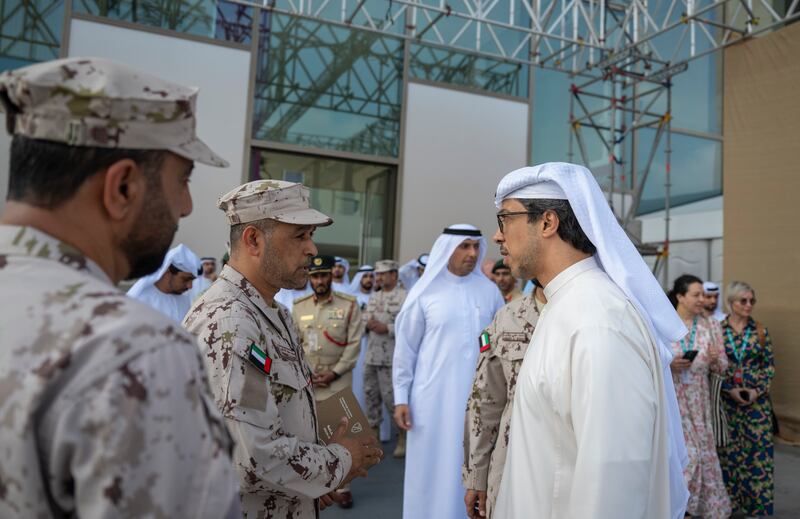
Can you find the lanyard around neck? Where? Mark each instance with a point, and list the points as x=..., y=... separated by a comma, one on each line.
x=738, y=353
x=686, y=346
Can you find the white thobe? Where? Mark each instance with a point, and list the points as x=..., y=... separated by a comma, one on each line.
x=588, y=432
x=358, y=371
x=199, y=285
x=344, y=288
x=434, y=361
x=176, y=306
x=287, y=297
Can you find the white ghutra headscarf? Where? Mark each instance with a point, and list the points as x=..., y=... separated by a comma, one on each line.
x=618, y=257
x=181, y=257
x=443, y=248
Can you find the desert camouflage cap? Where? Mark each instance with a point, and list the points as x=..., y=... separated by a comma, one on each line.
x=102, y=103
x=386, y=266
x=279, y=200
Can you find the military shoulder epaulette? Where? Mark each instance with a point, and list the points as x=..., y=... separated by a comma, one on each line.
x=345, y=296
x=303, y=298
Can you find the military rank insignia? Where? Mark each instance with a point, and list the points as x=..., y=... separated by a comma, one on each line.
x=259, y=358
x=483, y=341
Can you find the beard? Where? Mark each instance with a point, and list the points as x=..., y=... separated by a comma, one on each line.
x=322, y=290
x=527, y=267
x=152, y=234
x=279, y=275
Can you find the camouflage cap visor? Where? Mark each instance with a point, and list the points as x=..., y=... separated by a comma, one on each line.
x=306, y=216
x=198, y=151
x=260, y=359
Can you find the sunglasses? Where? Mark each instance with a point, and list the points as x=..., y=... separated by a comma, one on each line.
x=744, y=301
x=502, y=216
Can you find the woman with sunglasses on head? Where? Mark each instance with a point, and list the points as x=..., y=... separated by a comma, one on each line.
x=747, y=460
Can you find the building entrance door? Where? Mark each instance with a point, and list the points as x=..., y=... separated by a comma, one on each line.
x=359, y=196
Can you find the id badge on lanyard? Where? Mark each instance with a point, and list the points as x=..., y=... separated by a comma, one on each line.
x=738, y=377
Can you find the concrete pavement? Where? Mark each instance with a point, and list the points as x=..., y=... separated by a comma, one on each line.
x=380, y=496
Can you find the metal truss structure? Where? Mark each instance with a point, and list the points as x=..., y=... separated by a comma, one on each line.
x=190, y=16
x=582, y=37
x=305, y=65
x=31, y=31
x=621, y=54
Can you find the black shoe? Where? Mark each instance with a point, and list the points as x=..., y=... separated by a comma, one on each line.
x=346, y=500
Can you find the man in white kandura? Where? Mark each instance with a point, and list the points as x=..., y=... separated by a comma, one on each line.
x=168, y=289
x=435, y=354
x=595, y=430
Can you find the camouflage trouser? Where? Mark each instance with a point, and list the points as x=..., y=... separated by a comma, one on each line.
x=377, y=388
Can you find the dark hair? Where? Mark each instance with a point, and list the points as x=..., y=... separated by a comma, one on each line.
x=46, y=174
x=569, y=229
x=681, y=286
x=266, y=225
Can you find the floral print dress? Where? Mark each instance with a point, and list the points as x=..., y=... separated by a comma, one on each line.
x=747, y=461
x=707, y=494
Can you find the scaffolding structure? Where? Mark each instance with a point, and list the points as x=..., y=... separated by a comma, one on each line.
x=621, y=55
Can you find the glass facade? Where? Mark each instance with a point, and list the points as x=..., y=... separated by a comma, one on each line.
x=695, y=170
x=696, y=161
x=457, y=68
x=431, y=62
x=330, y=88
x=30, y=32
x=358, y=196
x=216, y=19
x=323, y=86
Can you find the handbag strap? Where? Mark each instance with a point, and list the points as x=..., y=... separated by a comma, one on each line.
x=762, y=335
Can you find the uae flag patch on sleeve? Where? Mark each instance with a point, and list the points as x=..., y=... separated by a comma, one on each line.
x=484, y=342
x=259, y=358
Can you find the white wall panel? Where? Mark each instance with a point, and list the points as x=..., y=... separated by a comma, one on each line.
x=457, y=147
x=688, y=257
x=716, y=274
x=222, y=74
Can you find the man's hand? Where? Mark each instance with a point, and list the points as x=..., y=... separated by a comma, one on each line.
x=476, y=503
x=402, y=416
x=323, y=378
x=364, y=453
x=378, y=327
x=329, y=499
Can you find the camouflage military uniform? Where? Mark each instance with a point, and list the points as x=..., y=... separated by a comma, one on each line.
x=488, y=417
x=383, y=307
x=105, y=409
x=269, y=410
x=330, y=332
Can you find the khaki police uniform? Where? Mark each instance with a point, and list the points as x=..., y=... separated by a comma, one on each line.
x=330, y=332
x=488, y=419
x=383, y=307
x=105, y=409
x=513, y=295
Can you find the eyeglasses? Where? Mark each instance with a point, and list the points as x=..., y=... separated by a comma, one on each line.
x=743, y=301
x=502, y=216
